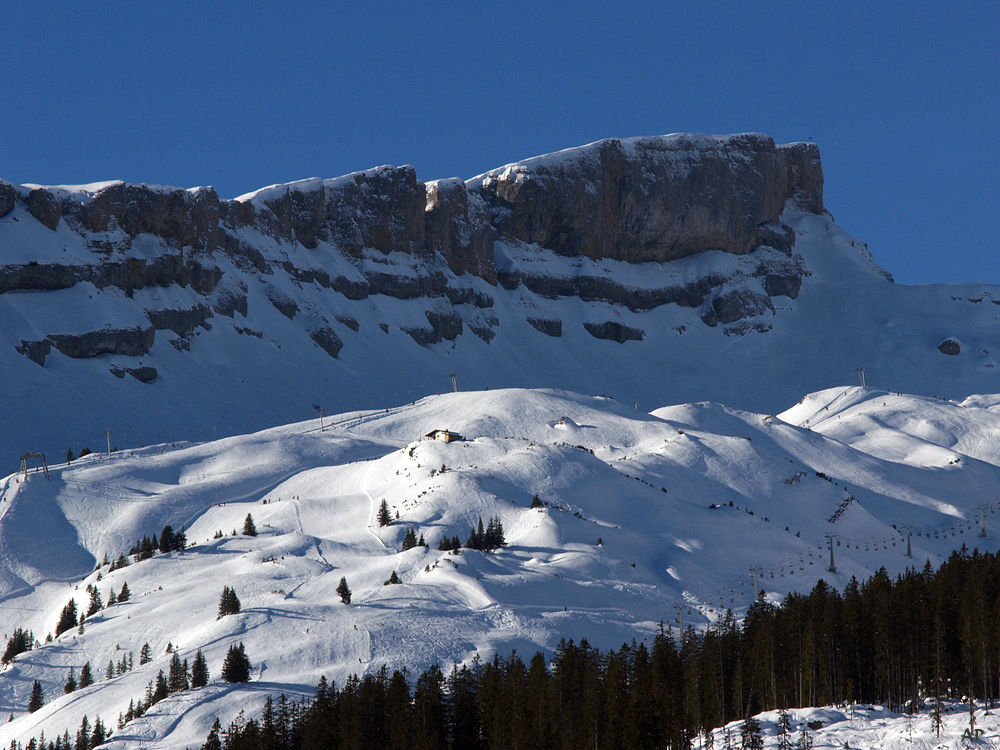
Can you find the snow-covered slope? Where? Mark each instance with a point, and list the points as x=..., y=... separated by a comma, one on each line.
x=645, y=518
x=873, y=727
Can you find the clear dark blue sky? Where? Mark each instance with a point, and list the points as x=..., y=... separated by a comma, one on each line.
x=903, y=98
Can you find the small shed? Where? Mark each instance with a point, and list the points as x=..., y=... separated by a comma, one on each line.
x=446, y=435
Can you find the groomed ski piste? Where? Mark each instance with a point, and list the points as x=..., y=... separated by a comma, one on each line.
x=667, y=517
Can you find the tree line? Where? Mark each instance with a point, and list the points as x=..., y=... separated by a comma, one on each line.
x=897, y=641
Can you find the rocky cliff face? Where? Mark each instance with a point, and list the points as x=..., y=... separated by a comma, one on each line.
x=384, y=232
x=653, y=199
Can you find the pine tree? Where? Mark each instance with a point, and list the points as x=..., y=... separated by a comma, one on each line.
x=37, y=699
x=750, y=735
x=494, y=536
x=784, y=730
x=249, y=529
x=384, y=519
x=100, y=733
x=394, y=578
x=70, y=685
x=421, y=542
x=96, y=604
x=124, y=594
x=409, y=539
x=83, y=736
x=109, y=673
x=145, y=654
x=180, y=540
x=67, y=618
x=112, y=598
x=236, y=667
x=69, y=455
x=178, y=679
x=86, y=676
x=213, y=742
x=161, y=690
x=166, y=540
x=20, y=641
x=199, y=671
x=229, y=603
x=344, y=591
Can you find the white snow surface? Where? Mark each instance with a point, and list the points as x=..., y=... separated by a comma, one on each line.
x=873, y=727
x=627, y=538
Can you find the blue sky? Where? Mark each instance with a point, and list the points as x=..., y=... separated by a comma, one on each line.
x=903, y=98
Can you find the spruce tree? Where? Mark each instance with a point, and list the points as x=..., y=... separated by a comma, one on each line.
x=784, y=730
x=100, y=733
x=750, y=735
x=249, y=529
x=67, y=618
x=86, y=676
x=161, y=690
x=70, y=685
x=229, y=603
x=83, y=736
x=384, y=519
x=20, y=641
x=214, y=741
x=344, y=591
x=178, y=678
x=95, y=604
x=166, y=540
x=112, y=598
x=199, y=671
x=236, y=667
x=145, y=654
x=409, y=539
x=109, y=673
x=37, y=699
x=124, y=594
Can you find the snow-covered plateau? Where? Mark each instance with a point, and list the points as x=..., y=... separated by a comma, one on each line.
x=640, y=518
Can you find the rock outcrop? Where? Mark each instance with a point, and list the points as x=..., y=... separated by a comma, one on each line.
x=653, y=199
x=383, y=233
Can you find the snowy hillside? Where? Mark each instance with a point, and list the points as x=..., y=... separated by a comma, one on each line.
x=643, y=518
x=872, y=727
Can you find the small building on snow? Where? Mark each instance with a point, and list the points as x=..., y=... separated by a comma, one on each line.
x=446, y=435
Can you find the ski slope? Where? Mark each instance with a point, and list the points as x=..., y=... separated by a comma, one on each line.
x=654, y=517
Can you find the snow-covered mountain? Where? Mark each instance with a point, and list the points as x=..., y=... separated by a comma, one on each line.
x=654, y=270
x=640, y=518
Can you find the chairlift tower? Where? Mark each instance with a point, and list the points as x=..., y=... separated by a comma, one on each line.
x=982, y=519
x=319, y=410
x=861, y=374
x=24, y=463
x=829, y=538
x=755, y=571
x=909, y=533
x=454, y=381
x=108, y=433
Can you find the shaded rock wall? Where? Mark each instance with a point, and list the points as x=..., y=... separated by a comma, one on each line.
x=653, y=199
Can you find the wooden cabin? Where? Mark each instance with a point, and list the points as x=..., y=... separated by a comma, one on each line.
x=446, y=435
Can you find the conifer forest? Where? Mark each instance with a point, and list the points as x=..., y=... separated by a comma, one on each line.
x=923, y=635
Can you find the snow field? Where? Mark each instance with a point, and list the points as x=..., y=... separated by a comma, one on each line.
x=626, y=538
